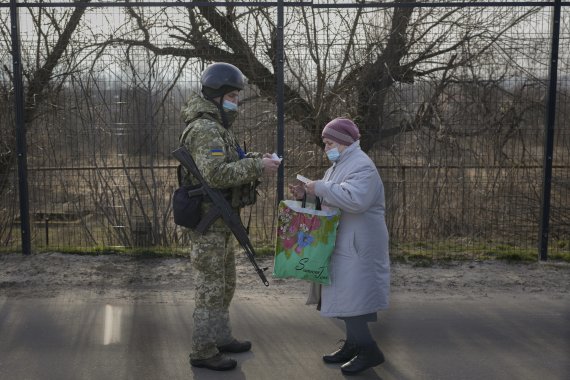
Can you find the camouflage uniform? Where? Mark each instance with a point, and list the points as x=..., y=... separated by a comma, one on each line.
x=215, y=151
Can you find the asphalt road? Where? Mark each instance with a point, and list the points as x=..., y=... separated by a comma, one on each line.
x=79, y=337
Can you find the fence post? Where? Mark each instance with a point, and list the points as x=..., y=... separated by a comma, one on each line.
x=20, y=131
x=404, y=203
x=549, y=133
x=279, y=67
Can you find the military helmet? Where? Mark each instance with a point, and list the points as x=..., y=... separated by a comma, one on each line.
x=220, y=78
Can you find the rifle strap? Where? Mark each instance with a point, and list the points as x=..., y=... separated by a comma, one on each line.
x=181, y=140
x=248, y=221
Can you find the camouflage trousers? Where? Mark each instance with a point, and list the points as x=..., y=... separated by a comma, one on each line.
x=214, y=270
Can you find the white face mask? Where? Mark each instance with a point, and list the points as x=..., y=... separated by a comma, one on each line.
x=230, y=106
x=333, y=154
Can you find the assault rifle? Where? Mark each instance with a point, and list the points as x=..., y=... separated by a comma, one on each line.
x=220, y=208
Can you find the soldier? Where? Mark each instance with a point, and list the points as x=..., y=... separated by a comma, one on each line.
x=224, y=165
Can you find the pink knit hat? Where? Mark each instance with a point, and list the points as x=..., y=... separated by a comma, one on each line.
x=342, y=131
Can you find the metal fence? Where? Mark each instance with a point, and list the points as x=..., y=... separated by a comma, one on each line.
x=462, y=105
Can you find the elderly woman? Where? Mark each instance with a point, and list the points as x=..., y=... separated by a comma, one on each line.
x=360, y=265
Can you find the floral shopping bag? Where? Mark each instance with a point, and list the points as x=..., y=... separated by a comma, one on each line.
x=305, y=242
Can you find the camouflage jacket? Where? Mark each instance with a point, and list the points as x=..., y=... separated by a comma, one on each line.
x=215, y=151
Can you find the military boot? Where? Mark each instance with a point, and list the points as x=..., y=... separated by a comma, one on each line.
x=235, y=346
x=217, y=362
x=343, y=354
x=368, y=356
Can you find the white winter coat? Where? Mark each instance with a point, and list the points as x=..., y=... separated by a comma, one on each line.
x=360, y=265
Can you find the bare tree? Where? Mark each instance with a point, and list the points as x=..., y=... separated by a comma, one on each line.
x=46, y=69
x=355, y=57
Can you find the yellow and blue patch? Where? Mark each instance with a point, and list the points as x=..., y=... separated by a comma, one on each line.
x=216, y=152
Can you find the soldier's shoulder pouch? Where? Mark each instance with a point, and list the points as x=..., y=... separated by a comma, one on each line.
x=187, y=205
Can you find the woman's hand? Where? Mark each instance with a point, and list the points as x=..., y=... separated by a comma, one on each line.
x=310, y=187
x=297, y=190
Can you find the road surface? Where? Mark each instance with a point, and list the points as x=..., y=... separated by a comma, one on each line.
x=82, y=336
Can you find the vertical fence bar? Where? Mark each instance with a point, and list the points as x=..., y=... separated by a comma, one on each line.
x=279, y=74
x=20, y=131
x=549, y=132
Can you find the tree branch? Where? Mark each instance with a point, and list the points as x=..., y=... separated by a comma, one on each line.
x=41, y=77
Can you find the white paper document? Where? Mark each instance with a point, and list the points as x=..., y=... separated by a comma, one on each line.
x=303, y=179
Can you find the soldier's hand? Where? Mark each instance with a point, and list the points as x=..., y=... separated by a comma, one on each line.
x=270, y=165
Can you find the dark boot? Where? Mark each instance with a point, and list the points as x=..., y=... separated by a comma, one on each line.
x=235, y=346
x=343, y=354
x=368, y=356
x=218, y=362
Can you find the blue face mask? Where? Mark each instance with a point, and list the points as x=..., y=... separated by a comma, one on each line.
x=229, y=106
x=333, y=154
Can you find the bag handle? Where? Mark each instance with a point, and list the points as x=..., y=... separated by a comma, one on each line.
x=317, y=202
